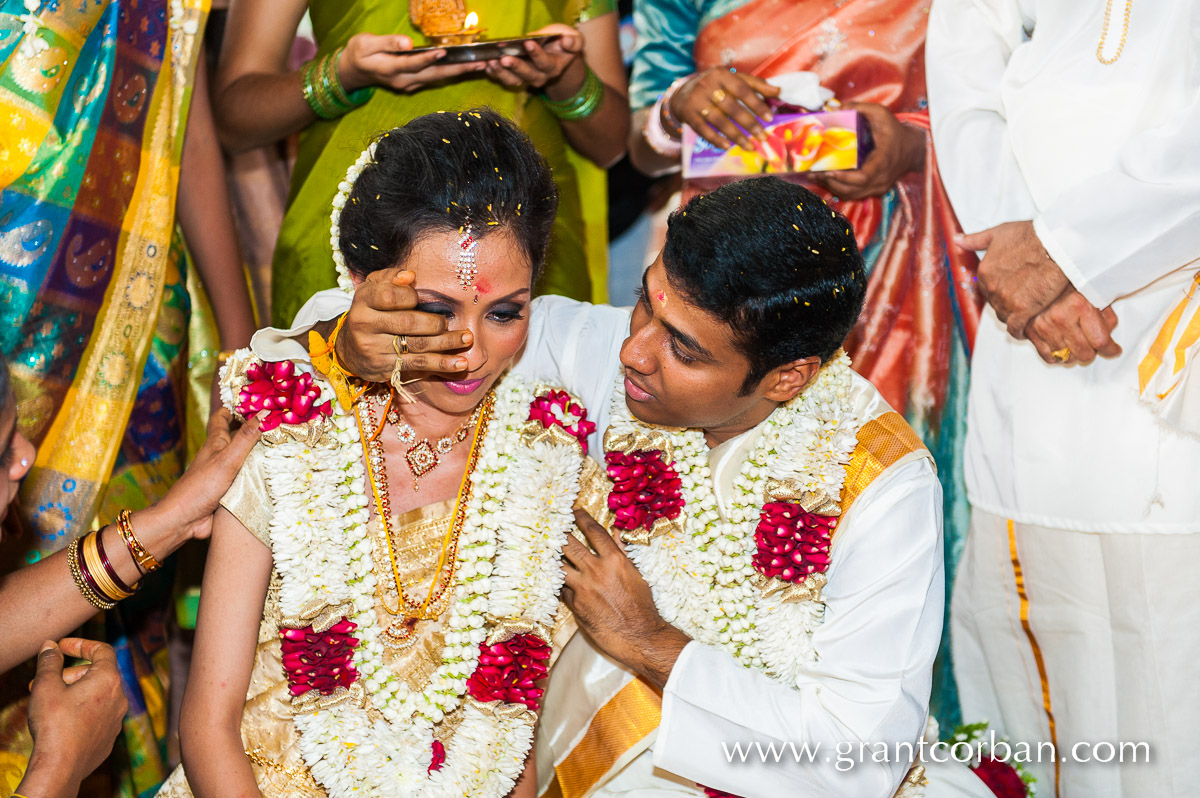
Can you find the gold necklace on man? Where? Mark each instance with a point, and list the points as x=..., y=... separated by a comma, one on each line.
x=1104, y=33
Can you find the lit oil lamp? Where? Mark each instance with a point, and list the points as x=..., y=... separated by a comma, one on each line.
x=470, y=32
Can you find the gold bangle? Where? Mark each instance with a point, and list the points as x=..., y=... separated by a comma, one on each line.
x=91, y=558
x=144, y=559
x=224, y=355
x=77, y=574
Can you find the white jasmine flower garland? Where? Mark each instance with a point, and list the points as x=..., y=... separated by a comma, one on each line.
x=508, y=569
x=704, y=580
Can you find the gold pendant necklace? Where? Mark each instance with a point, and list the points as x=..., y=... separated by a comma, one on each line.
x=1104, y=32
x=400, y=632
x=423, y=456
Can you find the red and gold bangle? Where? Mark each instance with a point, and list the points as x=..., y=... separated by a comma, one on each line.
x=144, y=559
x=94, y=564
x=108, y=568
x=83, y=579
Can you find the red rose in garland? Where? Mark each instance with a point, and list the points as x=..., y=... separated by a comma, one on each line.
x=556, y=409
x=792, y=542
x=644, y=490
x=1000, y=777
x=319, y=660
x=439, y=756
x=288, y=397
x=509, y=671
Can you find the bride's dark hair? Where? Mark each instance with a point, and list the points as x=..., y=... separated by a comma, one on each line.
x=440, y=171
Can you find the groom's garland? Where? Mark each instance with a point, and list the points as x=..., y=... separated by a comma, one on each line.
x=363, y=731
x=750, y=585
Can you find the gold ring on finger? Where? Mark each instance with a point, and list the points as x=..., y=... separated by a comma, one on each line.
x=704, y=112
x=400, y=345
x=718, y=96
x=1062, y=355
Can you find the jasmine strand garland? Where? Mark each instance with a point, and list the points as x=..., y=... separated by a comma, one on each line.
x=363, y=730
x=726, y=582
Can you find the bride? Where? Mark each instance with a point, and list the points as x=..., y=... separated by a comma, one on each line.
x=380, y=600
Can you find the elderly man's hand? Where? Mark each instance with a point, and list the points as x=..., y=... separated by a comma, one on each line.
x=1016, y=276
x=1073, y=325
x=74, y=716
x=614, y=606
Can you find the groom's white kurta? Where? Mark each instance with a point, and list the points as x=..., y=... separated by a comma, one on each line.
x=870, y=682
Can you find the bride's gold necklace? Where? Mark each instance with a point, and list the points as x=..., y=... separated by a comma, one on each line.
x=422, y=456
x=408, y=613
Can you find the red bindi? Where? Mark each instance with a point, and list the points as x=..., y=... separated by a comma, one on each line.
x=483, y=286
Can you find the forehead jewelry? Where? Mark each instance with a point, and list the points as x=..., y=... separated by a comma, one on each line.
x=467, y=268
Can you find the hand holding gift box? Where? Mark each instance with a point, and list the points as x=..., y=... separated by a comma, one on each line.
x=798, y=139
x=820, y=141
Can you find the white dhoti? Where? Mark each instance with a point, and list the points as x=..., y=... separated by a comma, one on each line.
x=1083, y=639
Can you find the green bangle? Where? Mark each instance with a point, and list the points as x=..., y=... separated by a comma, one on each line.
x=312, y=93
x=582, y=103
x=355, y=98
x=323, y=89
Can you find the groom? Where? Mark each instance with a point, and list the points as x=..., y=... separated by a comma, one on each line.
x=757, y=287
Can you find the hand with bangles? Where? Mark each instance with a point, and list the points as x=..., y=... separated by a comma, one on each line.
x=52, y=597
x=557, y=68
x=76, y=712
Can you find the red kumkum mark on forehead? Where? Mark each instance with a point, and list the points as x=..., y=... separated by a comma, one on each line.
x=482, y=285
x=661, y=296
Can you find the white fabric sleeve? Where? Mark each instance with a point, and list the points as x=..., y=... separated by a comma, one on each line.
x=1120, y=230
x=274, y=344
x=967, y=48
x=868, y=686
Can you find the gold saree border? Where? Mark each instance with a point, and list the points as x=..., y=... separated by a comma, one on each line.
x=634, y=712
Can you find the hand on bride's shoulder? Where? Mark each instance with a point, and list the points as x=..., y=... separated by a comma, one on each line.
x=192, y=500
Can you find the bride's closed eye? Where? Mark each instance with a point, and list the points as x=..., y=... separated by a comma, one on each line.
x=505, y=313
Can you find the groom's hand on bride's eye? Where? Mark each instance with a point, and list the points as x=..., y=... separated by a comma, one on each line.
x=385, y=306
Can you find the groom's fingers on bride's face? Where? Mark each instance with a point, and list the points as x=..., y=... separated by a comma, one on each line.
x=387, y=296
x=597, y=535
x=397, y=275
x=406, y=322
x=433, y=363
x=450, y=341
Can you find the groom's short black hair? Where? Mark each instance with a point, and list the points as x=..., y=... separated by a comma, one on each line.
x=773, y=262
